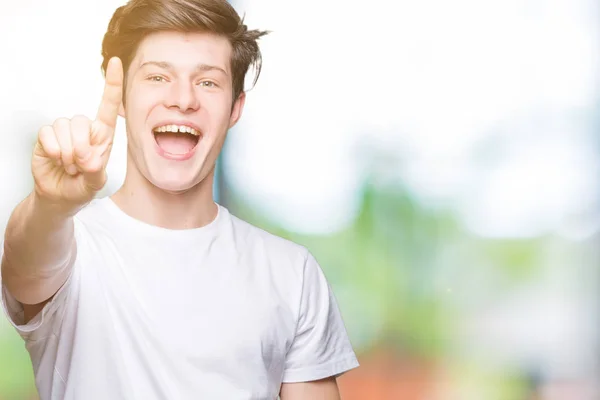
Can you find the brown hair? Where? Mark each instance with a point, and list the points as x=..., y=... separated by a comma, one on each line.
x=131, y=23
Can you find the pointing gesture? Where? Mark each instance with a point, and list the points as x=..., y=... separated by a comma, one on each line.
x=112, y=97
x=70, y=157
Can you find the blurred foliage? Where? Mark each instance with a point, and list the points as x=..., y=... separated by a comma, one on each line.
x=392, y=262
x=16, y=372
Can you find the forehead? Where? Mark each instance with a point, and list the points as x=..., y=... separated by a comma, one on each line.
x=184, y=50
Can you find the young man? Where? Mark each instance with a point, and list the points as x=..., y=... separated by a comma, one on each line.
x=157, y=292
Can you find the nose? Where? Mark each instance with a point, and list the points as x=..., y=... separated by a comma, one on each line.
x=183, y=96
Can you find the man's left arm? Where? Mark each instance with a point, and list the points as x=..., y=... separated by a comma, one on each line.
x=324, y=389
x=320, y=351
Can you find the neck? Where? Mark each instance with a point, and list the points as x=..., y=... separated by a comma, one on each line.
x=190, y=209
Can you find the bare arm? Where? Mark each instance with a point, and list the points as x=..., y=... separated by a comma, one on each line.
x=324, y=389
x=68, y=167
x=38, y=250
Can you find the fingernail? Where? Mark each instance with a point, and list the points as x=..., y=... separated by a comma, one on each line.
x=71, y=170
x=83, y=157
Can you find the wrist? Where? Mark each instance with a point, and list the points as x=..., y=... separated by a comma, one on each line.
x=46, y=208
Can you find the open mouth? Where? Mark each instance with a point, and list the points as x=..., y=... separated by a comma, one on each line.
x=176, y=140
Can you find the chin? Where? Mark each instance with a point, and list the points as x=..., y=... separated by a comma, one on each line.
x=174, y=188
x=174, y=182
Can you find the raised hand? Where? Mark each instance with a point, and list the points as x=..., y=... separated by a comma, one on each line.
x=70, y=157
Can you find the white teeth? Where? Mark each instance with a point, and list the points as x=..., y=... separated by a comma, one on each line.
x=177, y=128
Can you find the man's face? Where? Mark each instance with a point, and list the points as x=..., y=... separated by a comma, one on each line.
x=179, y=107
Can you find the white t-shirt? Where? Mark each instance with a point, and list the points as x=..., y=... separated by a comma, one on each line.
x=226, y=311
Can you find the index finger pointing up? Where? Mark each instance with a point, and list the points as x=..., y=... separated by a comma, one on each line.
x=113, y=93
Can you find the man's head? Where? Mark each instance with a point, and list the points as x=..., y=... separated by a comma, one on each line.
x=185, y=63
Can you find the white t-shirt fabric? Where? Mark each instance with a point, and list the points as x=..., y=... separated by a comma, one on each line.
x=225, y=311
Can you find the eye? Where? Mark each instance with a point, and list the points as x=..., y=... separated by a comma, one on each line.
x=208, y=84
x=156, y=78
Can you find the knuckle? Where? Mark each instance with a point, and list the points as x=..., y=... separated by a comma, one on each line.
x=47, y=141
x=45, y=132
x=80, y=126
x=60, y=122
x=61, y=127
x=79, y=120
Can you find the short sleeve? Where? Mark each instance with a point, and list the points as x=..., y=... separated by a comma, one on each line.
x=321, y=347
x=42, y=324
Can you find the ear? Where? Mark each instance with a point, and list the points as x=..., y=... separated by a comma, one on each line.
x=236, y=112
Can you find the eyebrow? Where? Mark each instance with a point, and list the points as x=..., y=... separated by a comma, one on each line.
x=169, y=66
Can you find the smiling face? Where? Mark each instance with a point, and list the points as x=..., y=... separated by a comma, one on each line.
x=178, y=108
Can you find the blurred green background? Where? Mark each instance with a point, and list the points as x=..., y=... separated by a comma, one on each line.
x=441, y=161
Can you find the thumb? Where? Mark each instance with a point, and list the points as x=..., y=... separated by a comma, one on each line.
x=93, y=171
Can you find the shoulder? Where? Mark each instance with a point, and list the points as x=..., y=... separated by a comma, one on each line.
x=260, y=243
